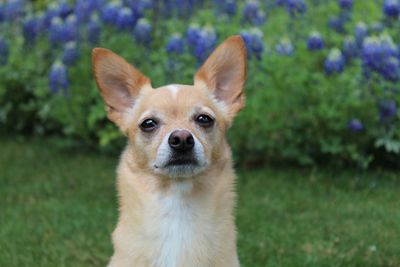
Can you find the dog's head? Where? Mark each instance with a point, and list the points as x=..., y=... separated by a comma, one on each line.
x=175, y=130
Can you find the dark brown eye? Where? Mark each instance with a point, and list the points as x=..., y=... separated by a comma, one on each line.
x=148, y=125
x=204, y=120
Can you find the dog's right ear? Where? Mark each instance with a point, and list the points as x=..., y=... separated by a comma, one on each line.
x=119, y=83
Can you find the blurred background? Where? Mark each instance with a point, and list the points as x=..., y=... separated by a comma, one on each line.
x=317, y=147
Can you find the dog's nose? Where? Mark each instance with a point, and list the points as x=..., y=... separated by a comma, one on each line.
x=181, y=140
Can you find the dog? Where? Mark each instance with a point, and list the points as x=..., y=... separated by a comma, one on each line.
x=175, y=178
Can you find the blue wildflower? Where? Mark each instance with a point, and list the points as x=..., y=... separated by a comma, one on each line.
x=334, y=63
x=62, y=32
x=285, y=47
x=346, y=4
x=51, y=13
x=336, y=23
x=84, y=9
x=391, y=8
x=56, y=30
x=295, y=7
x=125, y=19
x=2, y=13
x=315, y=41
x=192, y=35
x=109, y=13
x=30, y=29
x=355, y=125
x=13, y=9
x=379, y=55
x=93, y=30
x=230, y=7
x=253, y=41
x=205, y=43
x=71, y=53
x=175, y=44
x=253, y=14
x=64, y=9
x=360, y=32
x=350, y=49
x=58, y=78
x=387, y=109
x=3, y=51
x=142, y=32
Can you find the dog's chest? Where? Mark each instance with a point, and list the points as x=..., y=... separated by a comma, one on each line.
x=182, y=231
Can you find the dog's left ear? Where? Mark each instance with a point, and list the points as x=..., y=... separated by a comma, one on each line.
x=224, y=73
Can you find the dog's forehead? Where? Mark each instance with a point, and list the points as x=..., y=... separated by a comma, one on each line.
x=177, y=96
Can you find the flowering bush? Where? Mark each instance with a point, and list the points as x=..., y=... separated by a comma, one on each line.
x=322, y=86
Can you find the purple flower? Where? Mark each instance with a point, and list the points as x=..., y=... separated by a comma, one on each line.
x=30, y=29
x=3, y=51
x=360, y=32
x=175, y=44
x=109, y=13
x=192, y=35
x=295, y=7
x=230, y=7
x=253, y=41
x=13, y=9
x=252, y=13
x=205, y=43
x=336, y=23
x=94, y=30
x=58, y=78
x=71, y=53
x=125, y=19
x=387, y=109
x=62, y=32
x=56, y=30
x=346, y=4
x=85, y=8
x=355, y=125
x=350, y=49
x=142, y=32
x=285, y=47
x=2, y=13
x=391, y=8
x=64, y=9
x=315, y=41
x=379, y=55
x=334, y=63
x=51, y=12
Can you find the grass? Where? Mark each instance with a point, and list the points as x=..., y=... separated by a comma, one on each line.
x=59, y=209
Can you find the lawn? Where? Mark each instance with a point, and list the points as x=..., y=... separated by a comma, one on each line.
x=59, y=209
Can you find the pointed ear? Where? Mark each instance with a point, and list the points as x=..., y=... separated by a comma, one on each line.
x=119, y=83
x=224, y=73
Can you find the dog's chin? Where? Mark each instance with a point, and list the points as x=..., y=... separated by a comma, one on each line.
x=180, y=168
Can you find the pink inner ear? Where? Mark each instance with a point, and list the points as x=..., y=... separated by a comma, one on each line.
x=119, y=98
x=224, y=73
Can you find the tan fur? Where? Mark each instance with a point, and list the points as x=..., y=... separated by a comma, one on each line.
x=164, y=221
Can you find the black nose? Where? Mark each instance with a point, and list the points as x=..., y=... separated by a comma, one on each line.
x=181, y=140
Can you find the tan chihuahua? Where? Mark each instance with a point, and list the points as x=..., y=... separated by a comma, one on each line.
x=175, y=177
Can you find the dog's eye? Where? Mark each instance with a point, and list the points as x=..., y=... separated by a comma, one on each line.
x=204, y=120
x=148, y=125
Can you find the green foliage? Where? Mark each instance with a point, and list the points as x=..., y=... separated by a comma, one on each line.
x=294, y=112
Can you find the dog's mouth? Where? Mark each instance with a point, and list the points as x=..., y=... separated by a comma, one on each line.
x=180, y=161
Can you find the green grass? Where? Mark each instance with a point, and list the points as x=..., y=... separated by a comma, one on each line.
x=59, y=209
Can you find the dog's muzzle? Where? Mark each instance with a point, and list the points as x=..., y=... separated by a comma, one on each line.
x=180, y=155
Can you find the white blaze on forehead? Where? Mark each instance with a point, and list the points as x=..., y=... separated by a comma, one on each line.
x=173, y=89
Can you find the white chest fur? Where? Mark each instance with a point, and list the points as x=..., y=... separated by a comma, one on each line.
x=181, y=229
